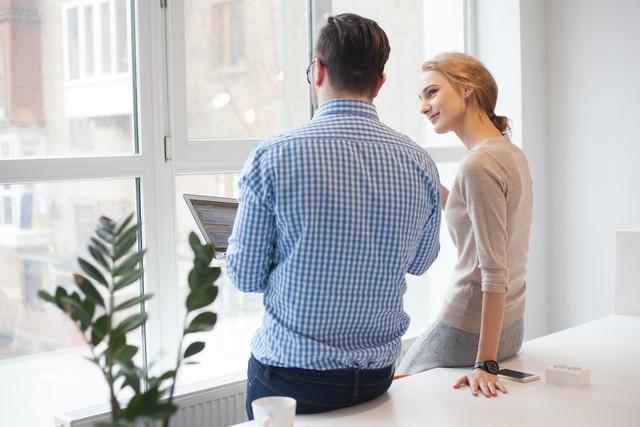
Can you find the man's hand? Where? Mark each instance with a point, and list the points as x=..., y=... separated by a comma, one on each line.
x=480, y=380
x=444, y=195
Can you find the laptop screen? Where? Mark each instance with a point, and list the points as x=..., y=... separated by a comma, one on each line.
x=214, y=216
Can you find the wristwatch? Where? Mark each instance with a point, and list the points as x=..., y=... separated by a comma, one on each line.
x=491, y=366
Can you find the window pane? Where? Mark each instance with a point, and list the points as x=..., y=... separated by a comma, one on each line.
x=245, y=63
x=73, y=43
x=45, y=105
x=417, y=30
x=7, y=211
x=3, y=76
x=121, y=34
x=88, y=42
x=105, y=28
x=41, y=352
x=239, y=313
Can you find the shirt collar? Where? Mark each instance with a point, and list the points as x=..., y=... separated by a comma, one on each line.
x=348, y=107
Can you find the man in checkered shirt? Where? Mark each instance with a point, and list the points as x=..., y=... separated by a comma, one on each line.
x=332, y=216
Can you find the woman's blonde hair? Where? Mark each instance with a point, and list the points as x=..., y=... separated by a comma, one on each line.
x=464, y=71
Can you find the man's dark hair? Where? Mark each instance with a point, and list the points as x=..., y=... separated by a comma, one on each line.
x=354, y=50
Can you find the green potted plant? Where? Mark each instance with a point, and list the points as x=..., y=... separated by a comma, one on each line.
x=95, y=309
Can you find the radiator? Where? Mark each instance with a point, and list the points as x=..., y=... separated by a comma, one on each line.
x=199, y=405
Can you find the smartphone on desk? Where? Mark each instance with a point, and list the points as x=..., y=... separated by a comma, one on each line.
x=519, y=376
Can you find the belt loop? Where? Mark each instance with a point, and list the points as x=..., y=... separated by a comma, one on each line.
x=356, y=382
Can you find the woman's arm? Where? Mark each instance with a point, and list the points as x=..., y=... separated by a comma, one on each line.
x=485, y=191
x=490, y=326
x=444, y=195
x=490, y=330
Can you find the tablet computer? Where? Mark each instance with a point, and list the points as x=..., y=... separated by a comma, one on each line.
x=214, y=217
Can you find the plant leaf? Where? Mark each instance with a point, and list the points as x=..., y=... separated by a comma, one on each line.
x=132, y=376
x=194, y=348
x=127, y=279
x=156, y=382
x=89, y=290
x=106, y=224
x=132, y=302
x=139, y=402
x=124, y=242
x=202, y=322
x=125, y=353
x=131, y=323
x=92, y=272
x=60, y=294
x=129, y=263
x=96, y=254
x=203, y=253
x=104, y=235
x=124, y=224
x=99, y=329
x=46, y=296
x=202, y=276
x=201, y=298
x=101, y=247
x=75, y=309
x=90, y=308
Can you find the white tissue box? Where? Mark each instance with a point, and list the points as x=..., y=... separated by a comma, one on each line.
x=568, y=376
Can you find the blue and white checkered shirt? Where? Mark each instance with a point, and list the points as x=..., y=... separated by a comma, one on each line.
x=332, y=216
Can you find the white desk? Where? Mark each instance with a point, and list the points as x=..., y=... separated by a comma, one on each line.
x=609, y=347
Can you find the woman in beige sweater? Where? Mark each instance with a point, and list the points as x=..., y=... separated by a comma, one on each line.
x=488, y=212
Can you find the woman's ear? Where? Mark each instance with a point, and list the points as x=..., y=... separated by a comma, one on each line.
x=467, y=91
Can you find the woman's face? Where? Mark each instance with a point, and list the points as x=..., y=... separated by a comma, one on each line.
x=443, y=104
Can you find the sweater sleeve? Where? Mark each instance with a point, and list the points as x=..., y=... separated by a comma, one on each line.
x=484, y=191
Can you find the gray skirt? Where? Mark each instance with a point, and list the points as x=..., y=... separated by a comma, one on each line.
x=442, y=346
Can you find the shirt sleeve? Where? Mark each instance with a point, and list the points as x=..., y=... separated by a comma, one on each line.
x=429, y=245
x=484, y=191
x=251, y=246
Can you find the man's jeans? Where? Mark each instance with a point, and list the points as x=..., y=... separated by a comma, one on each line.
x=316, y=391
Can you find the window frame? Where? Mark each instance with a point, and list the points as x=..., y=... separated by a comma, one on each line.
x=153, y=176
x=200, y=155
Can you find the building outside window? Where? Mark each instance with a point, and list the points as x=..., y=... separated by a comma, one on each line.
x=95, y=38
x=228, y=33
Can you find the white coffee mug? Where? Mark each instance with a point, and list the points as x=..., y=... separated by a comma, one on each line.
x=274, y=411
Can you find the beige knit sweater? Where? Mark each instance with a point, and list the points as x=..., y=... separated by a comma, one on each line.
x=489, y=216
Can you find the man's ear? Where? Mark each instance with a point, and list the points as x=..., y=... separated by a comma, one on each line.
x=320, y=74
x=381, y=80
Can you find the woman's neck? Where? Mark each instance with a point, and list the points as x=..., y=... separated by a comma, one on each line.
x=476, y=127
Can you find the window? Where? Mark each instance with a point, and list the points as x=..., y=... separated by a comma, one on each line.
x=3, y=78
x=227, y=112
x=227, y=27
x=91, y=143
x=67, y=155
x=6, y=206
x=97, y=37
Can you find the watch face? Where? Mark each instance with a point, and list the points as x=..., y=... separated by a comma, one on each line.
x=492, y=366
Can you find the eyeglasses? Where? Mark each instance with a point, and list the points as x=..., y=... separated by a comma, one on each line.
x=309, y=70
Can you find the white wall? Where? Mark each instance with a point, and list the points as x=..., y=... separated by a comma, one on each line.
x=510, y=40
x=533, y=44
x=593, y=113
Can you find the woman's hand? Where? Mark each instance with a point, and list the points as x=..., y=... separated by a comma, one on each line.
x=444, y=195
x=480, y=380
